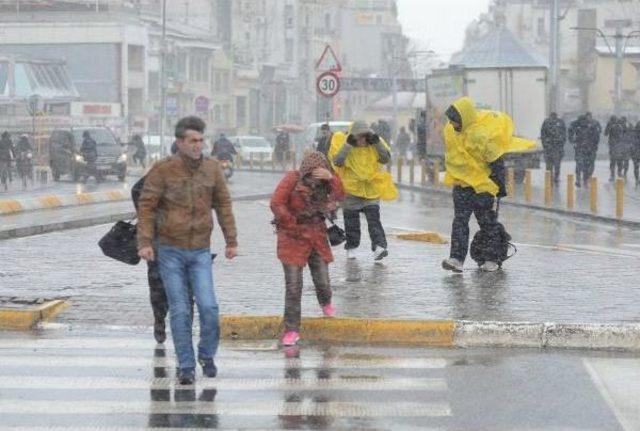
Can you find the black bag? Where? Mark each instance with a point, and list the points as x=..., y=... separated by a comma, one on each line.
x=120, y=243
x=483, y=248
x=336, y=234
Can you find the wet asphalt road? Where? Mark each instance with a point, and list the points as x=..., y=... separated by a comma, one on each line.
x=123, y=380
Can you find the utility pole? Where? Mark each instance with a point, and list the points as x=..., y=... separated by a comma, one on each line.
x=617, y=88
x=554, y=50
x=163, y=84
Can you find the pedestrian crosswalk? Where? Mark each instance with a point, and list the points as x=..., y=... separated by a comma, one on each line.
x=129, y=383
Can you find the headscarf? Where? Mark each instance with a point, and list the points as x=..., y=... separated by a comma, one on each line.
x=318, y=191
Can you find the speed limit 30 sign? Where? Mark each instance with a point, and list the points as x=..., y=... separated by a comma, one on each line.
x=328, y=84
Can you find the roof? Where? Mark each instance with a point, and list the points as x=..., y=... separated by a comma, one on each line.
x=499, y=48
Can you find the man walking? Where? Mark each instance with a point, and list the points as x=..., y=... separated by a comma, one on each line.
x=579, y=137
x=614, y=131
x=176, y=202
x=403, y=142
x=593, y=139
x=89, y=151
x=358, y=159
x=554, y=136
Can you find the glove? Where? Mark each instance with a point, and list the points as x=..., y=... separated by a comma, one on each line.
x=351, y=140
x=373, y=139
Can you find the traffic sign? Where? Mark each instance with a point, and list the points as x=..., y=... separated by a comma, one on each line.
x=328, y=84
x=328, y=61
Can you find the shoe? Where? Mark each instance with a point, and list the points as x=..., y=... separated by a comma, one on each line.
x=290, y=338
x=209, y=368
x=489, y=266
x=351, y=253
x=186, y=376
x=329, y=310
x=380, y=253
x=452, y=264
x=159, y=332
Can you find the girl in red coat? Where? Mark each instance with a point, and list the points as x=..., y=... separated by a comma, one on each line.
x=300, y=203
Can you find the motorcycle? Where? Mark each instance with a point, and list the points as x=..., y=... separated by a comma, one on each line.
x=227, y=168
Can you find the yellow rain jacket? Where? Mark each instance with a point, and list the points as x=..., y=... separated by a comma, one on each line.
x=362, y=175
x=486, y=136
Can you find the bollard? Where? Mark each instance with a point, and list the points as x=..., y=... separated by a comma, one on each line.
x=528, y=191
x=511, y=182
x=261, y=161
x=619, y=198
x=548, y=189
x=423, y=173
x=436, y=173
x=400, y=161
x=571, y=191
x=593, y=194
x=251, y=161
x=412, y=171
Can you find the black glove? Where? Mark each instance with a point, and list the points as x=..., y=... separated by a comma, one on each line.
x=498, y=176
x=373, y=139
x=351, y=140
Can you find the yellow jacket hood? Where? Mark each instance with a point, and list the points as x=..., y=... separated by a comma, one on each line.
x=466, y=107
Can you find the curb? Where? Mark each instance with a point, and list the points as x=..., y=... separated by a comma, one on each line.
x=442, y=333
x=25, y=319
x=13, y=206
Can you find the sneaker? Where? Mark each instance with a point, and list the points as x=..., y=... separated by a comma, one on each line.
x=452, y=264
x=329, y=310
x=209, y=368
x=159, y=332
x=489, y=266
x=290, y=338
x=187, y=376
x=351, y=253
x=380, y=253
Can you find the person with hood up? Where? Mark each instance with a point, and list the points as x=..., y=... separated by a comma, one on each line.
x=141, y=152
x=89, y=151
x=554, y=136
x=301, y=202
x=615, y=131
x=359, y=158
x=475, y=143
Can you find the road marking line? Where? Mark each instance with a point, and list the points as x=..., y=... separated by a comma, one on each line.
x=276, y=363
x=350, y=384
x=266, y=408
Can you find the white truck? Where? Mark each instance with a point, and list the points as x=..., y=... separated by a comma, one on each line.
x=521, y=93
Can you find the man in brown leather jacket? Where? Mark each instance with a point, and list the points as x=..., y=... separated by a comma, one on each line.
x=175, y=206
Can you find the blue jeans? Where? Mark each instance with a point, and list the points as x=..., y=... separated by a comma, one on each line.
x=179, y=269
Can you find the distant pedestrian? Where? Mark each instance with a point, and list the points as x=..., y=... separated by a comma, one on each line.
x=421, y=135
x=301, y=202
x=635, y=155
x=223, y=149
x=282, y=149
x=475, y=143
x=358, y=158
x=614, y=131
x=580, y=135
x=628, y=141
x=7, y=155
x=324, y=139
x=89, y=152
x=554, y=137
x=403, y=143
x=140, y=154
x=175, y=206
x=594, y=132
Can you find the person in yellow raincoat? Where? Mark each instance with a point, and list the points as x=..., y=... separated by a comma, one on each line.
x=475, y=143
x=358, y=159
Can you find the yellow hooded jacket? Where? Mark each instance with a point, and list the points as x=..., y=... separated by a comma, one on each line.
x=362, y=175
x=485, y=137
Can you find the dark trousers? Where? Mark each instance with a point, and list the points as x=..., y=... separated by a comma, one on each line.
x=465, y=202
x=293, y=286
x=636, y=168
x=352, y=227
x=157, y=295
x=553, y=162
x=583, y=168
x=621, y=165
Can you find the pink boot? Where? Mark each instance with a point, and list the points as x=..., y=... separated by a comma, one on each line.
x=329, y=310
x=290, y=338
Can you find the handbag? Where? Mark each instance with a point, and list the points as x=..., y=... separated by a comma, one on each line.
x=120, y=243
x=483, y=248
x=336, y=234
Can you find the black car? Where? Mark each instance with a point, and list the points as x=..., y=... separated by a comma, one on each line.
x=65, y=157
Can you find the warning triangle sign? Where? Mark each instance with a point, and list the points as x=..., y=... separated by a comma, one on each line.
x=328, y=61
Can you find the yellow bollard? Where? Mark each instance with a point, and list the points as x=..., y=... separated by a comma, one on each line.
x=423, y=173
x=436, y=173
x=261, y=161
x=400, y=162
x=571, y=191
x=511, y=182
x=548, y=189
x=412, y=171
x=528, y=191
x=593, y=194
x=251, y=161
x=619, y=198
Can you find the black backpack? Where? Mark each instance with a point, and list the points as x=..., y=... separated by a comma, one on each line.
x=483, y=248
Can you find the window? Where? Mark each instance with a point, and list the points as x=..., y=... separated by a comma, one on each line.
x=542, y=30
x=288, y=47
x=289, y=16
x=241, y=111
x=22, y=81
x=136, y=58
